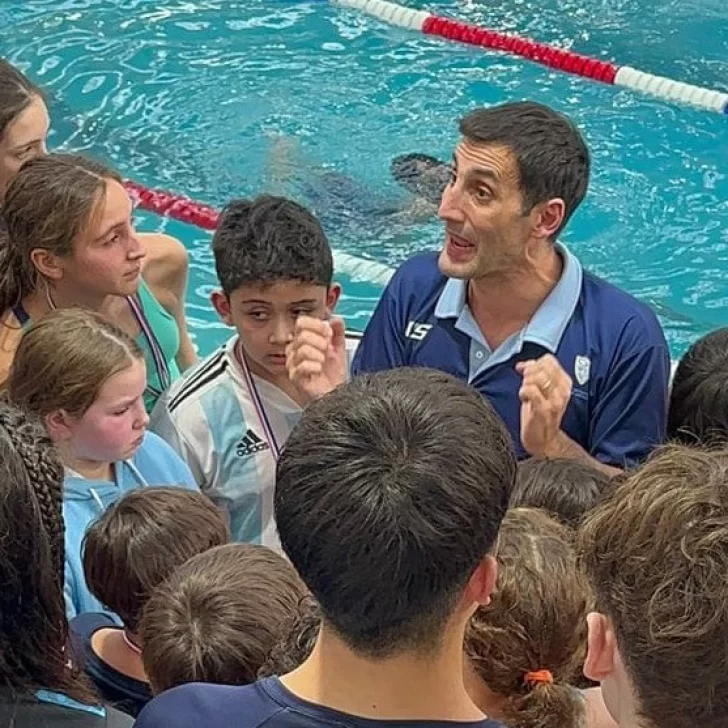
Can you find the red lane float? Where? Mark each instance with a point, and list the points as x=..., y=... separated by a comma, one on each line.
x=547, y=55
x=174, y=206
x=539, y=52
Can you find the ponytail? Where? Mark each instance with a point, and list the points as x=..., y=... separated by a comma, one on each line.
x=545, y=705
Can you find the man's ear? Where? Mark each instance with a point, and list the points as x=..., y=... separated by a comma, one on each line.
x=332, y=298
x=550, y=216
x=602, y=648
x=221, y=304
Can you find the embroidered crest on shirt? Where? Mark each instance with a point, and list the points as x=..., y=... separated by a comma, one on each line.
x=582, y=368
x=251, y=444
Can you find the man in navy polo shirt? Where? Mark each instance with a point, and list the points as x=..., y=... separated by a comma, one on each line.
x=574, y=366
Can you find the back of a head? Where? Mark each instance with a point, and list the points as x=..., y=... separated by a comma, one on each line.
x=536, y=621
x=698, y=412
x=566, y=488
x=63, y=360
x=551, y=155
x=218, y=616
x=141, y=539
x=33, y=627
x=656, y=554
x=389, y=493
x=48, y=205
x=16, y=94
x=268, y=240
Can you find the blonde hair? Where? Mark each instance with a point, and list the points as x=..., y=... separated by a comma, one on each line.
x=48, y=205
x=64, y=359
x=536, y=621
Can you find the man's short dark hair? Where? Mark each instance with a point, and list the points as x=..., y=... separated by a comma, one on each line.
x=698, y=412
x=551, y=156
x=267, y=240
x=568, y=489
x=389, y=493
x=141, y=539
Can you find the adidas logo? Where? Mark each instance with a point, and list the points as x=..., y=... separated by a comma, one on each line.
x=251, y=444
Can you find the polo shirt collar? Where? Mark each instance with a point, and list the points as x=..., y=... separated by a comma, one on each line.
x=546, y=326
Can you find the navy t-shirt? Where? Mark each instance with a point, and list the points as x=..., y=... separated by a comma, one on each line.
x=265, y=703
x=123, y=692
x=610, y=344
x=46, y=709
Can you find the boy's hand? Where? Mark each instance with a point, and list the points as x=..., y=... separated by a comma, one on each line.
x=316, y=358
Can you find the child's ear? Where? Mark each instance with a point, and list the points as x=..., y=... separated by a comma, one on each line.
x=602, y=648
x=58, y=424
x=221, y=304
x=332, y=298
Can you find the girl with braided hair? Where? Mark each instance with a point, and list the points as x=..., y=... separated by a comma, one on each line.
x=38, y=687
x=85, y=378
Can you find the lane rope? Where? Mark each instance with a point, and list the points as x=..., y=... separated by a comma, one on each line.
x=183, y=209
x=542, y=53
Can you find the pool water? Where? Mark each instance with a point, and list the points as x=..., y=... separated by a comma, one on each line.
x=223, y=98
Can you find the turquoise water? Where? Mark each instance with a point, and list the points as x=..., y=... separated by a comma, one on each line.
x=190, y=96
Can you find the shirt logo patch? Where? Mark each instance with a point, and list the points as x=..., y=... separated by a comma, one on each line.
x=582, y=369
x=251, y=444
x=417, y=332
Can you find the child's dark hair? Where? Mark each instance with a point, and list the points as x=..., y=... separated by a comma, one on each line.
x=33, y=625
x=141, y=539
x=299, y=638
x=566, y=488
x=535, y=622
x=267, y=240
x=698, y=412
x=218, y=616
x=389, y=493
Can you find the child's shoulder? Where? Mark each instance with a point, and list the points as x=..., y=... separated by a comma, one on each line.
x=209, y=373
x=160, y=464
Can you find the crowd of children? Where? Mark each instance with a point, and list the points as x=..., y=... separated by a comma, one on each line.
x=471, y=516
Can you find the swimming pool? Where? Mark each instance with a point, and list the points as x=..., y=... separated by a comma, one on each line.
x=191, y=96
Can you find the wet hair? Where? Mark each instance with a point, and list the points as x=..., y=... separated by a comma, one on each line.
x=698, y=411
x=17, y=92
x=218, y=616
x=422, y=175
x=49, y=204
x=568, y=489
x=656, y=554
x=141, y=539
x=536, y=621
x=63, y=360
x=268, y=240
x=33, y=625
x=297, y=642
x=389, y=493
x=551, y=156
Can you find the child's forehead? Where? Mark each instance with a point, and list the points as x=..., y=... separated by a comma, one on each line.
x=280, y=291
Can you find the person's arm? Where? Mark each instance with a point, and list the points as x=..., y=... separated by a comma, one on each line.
x=165, y=272
x=630, y=418
x=162, y=423
x=628, y=421
x=545, y=393
x=382, y=346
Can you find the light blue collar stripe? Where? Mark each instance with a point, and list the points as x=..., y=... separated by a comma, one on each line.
x=548, y=324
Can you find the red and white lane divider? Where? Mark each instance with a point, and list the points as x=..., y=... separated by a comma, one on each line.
x=183, y=209
x=542, y=53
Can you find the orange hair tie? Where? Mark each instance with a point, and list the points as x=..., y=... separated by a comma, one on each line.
x=538, y=677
